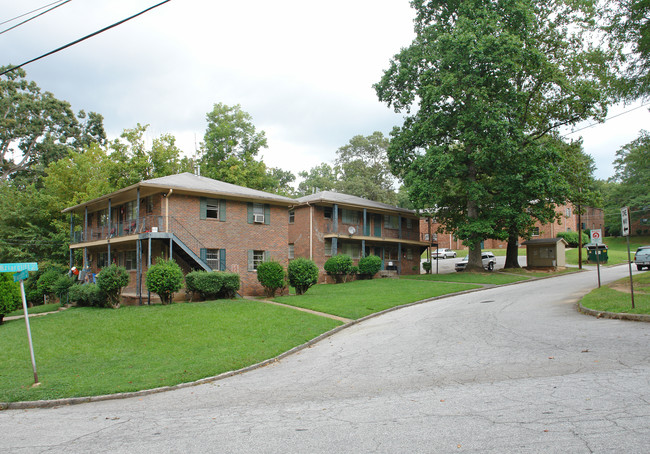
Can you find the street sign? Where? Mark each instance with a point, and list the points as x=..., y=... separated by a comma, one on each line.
x=596, y=236
x=625, y=221
x=21, y=275
x=14, y=267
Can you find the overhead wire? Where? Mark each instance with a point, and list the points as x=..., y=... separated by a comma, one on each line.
x=34, y=17
x=30, y=12
x=607, y=119
x=13, y=68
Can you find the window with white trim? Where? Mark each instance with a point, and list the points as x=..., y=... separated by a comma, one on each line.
x=255, y=257
x=535, y=231
x=212, y=258
x=292, y=251
x=212, y=209
x=292, y=216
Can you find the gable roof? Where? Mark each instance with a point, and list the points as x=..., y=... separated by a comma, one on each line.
x=330, y=197
x=189, y=183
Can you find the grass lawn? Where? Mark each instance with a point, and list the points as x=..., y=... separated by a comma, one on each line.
x=360, y=298
x=615, y=297
x=616, y=250
x=89, y=351
x=36, y=309
x=496, y=278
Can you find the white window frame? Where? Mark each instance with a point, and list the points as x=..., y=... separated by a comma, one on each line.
x=292, y=250
x=213, y=257
x=212, y=210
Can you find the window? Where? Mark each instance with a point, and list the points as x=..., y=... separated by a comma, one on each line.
x=259, y=213
x=568, y=212
x=128, y=260
x=102, y=218
x=149, y=204
x=351, y=249
x=350, y=217
x=535, y=231
x=391, y=222
x=409, y=223
x=213, y=209
x=212, y=258
x=254, y=259
x=327, y=212
x=128, y=210
x=102, y=260
x=292, y=216
x=291, y=250
x=409, y=254
x=328, y=248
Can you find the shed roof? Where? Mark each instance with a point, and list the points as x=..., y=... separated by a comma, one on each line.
x=545, y=241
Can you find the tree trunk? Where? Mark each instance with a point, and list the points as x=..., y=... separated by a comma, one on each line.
x=474, y=262
x=512, y=251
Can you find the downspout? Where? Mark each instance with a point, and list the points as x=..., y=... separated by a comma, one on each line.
x=166, y=196
x=71, y=238
x=110, y=228
x=85, y=237
x=311, y=231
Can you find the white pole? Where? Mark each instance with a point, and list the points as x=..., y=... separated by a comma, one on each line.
x=29, y=332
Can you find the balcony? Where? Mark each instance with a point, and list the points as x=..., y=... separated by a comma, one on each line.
x=119, y=229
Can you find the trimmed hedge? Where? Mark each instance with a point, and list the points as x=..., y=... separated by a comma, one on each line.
x=303, y=273
x=572, y=238
x=88, y=295
x=272, y=276
x=212, y=284
x=369, y=266
x=339, y=266
x=165, y=278
x=111, y=281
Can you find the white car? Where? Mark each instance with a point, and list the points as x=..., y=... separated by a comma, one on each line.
x=642, y=258
x=443, y=253
x=488, y=258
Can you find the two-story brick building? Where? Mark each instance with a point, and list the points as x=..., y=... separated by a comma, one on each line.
x=329, y=223
x=203, y=224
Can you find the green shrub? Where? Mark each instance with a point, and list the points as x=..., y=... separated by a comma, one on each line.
x=272, y=276
x=369, y=265
x=111, y=281
x=212, y=284
x=303, y=273
x=88, y=295
x=572, y=238
x=46, y=281
x=165, y=278
x=426, y=266
x=338, y=266
x=61, y=286
x=9, y=295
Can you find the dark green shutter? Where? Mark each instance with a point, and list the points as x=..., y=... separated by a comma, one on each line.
x=250, y=213
x=250, y=261
x=267, y=214
x=222, y=260
x=204, y=207
x=204, y=254
x=222, y=210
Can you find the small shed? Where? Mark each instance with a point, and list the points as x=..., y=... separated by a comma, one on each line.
x=546, y=252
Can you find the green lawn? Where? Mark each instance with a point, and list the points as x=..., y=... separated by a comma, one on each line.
x=616, y=249
x=360, y=298
x=89, y=351
x=496, y=278
x=36, y=309
x=615, y=297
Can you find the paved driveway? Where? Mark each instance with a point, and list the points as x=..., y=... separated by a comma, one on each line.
x=511, y=369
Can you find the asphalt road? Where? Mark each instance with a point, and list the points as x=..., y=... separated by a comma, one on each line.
x=511, y=369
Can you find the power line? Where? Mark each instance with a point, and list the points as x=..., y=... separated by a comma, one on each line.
x=84, y=38
x=34, y=17
x=32, y=11
x=606, y=119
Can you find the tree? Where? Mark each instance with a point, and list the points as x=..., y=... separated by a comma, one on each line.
x=302, y=273
x=628, y=23
x=364, y=170
x=9, y=295
x=36, y=128
x=320, y=178
x=272, y=276
x=488, y=81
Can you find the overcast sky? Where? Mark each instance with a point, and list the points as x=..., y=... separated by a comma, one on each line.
x=303, y=70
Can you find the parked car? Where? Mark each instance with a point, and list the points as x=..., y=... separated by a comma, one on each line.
x=642, y=258
x=488, y=259
x=443, y=253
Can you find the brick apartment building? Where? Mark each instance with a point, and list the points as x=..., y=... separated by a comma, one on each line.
x=203, y=224
x=567, y=221
x=329, y=223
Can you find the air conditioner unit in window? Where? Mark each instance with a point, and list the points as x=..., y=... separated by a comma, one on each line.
x=258, y=218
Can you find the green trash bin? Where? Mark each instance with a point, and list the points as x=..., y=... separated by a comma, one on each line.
x=596, y=253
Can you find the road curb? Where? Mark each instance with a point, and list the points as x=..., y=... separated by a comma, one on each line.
x=613, y=315
x=23, y=405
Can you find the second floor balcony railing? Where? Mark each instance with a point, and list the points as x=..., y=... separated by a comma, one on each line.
x=118, y=229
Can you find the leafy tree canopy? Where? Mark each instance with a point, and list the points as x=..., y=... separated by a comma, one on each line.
x=483, y=83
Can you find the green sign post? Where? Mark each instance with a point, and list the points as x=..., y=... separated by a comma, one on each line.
x=21, y=271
